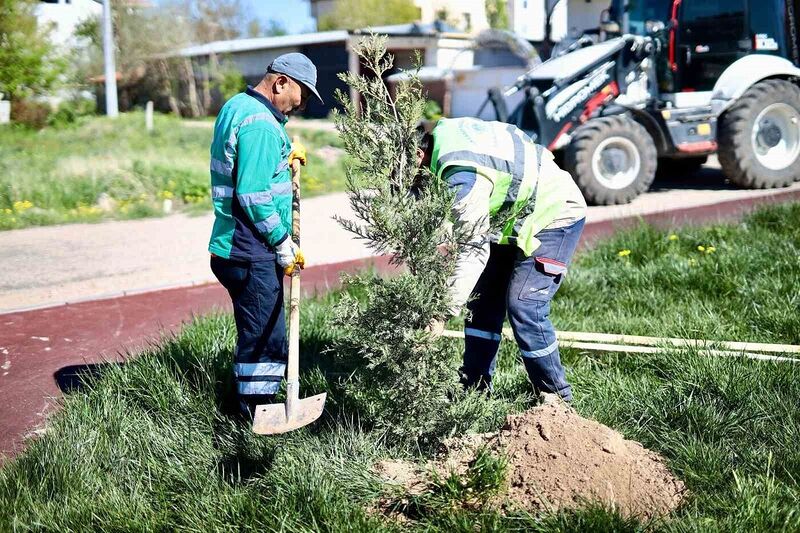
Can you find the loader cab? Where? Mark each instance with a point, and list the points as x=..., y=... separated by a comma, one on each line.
x=704, y=37
x=710, y=35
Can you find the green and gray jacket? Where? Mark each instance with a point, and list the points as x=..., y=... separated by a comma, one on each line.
x=251, y=186
x=502, y=179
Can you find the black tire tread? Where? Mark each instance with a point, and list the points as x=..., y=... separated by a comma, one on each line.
x=578, y=158
x=735, y=152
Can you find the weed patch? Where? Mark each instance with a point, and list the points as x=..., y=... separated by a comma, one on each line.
x=98, y=168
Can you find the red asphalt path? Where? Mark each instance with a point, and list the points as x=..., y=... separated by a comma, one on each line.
x=35, y=345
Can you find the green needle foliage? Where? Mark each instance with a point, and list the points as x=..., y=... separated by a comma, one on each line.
x=405, y=378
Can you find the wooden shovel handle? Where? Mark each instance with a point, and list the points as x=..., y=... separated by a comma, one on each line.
x=293, y=366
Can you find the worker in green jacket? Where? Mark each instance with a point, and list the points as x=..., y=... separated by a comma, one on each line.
x=251, y=243
x=526, y=216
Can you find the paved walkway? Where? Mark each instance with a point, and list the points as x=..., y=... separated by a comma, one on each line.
x=60, y=264
x=68, y=264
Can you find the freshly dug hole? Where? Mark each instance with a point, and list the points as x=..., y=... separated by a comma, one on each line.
x=558, y=459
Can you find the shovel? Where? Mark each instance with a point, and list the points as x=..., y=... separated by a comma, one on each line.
x=295, y=413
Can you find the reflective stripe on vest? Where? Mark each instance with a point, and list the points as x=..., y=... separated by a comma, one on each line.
x=507, y=157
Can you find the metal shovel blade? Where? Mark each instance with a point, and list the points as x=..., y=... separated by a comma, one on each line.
x=272, y=419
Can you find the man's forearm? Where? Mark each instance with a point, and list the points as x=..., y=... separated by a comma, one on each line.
x=472, y=214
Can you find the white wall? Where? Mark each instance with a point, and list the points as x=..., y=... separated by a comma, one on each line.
x=254, y=63
x=469, y=88
x=320, y=8
x=571, y=17
x=453, y=54
x=527, y=18
x=65, y=17
x=456, y=10
x=584, y=15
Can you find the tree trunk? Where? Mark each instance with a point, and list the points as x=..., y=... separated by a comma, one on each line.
x=206, y=90
x=167, y=88
x=194, y=101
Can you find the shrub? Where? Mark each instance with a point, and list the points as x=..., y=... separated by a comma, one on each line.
x=69, y=111
x=30, y=113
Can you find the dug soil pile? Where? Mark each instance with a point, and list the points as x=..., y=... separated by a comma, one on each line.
x=558, y=459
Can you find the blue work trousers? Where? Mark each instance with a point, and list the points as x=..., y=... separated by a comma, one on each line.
x=256, y=291
x=522, y=287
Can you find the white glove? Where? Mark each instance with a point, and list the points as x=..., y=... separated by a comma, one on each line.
x=287, y=252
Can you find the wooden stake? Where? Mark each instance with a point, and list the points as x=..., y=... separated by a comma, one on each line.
x=680, y=343
x=573, y=340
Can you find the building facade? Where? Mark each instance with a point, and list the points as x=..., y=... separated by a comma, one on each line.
x=332, y=53
x=570, y=17
x=526, y=17
x=465, y=15
x=64, y=17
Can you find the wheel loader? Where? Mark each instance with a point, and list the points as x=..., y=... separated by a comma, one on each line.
x=672, y=82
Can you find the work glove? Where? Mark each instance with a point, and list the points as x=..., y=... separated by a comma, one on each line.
x=435, y=328
x=298, y=152
x=290, y=256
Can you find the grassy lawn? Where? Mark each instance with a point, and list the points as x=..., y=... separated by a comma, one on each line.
x=57, y=175
x=153, y=446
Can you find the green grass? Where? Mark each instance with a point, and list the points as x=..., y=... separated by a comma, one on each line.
x=154, y=445
x=57, y=175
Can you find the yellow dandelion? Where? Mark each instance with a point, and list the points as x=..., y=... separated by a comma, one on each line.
x=710, y=250
x=673, y=237
x=22, y=206
x=701, y=248
x=624, y=253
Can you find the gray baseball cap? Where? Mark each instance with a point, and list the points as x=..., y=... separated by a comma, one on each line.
x=298, y=67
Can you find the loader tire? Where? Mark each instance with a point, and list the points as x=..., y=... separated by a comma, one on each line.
x=612, y=159
x=759, y=136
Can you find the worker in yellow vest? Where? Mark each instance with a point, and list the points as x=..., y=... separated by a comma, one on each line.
x=527, y=216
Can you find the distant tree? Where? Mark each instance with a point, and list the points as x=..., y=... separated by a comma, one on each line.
x=166, y=31
x=355, y=14
x=152, y=63
x=211, y=20
x=497, y=13
x=273, y=28
x=28, y=64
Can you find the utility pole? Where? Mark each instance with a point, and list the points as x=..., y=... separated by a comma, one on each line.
x=112, y=107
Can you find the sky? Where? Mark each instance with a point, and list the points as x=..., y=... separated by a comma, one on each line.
x=294, y=15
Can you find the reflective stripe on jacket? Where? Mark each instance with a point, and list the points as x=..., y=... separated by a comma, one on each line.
x=251, y=186
x=524, y=199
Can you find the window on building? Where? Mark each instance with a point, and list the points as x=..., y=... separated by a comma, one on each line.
x=467, y=21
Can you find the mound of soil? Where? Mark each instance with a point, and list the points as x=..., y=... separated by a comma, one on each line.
x=558, y=459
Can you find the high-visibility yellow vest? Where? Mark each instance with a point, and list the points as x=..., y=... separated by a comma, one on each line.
x=523, y=199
